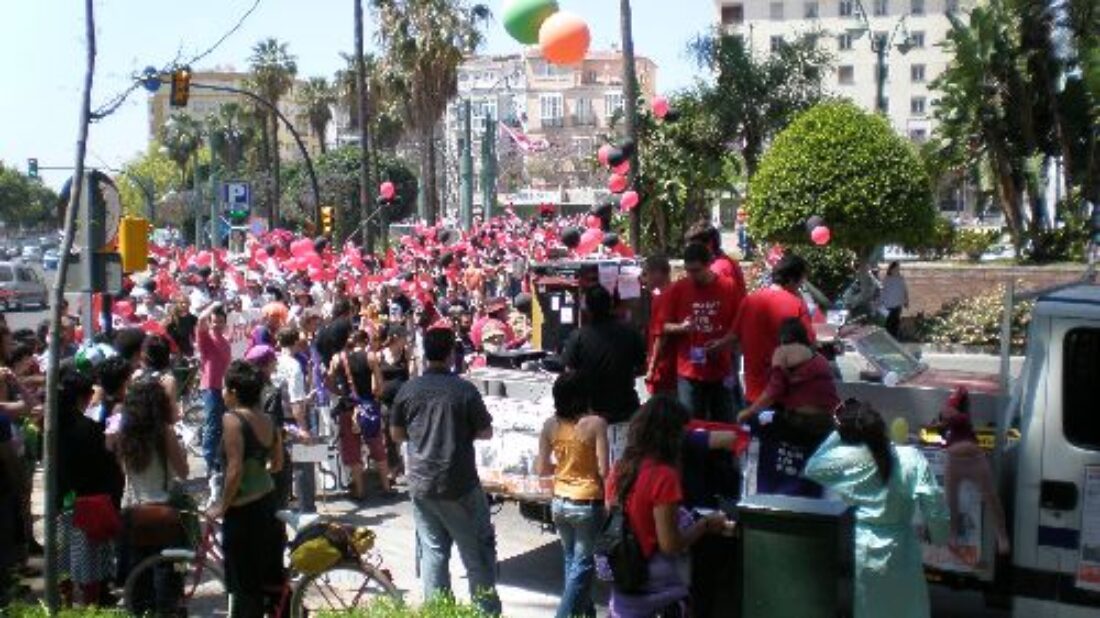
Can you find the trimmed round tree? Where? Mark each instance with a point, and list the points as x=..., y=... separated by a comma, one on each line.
x=849, y=167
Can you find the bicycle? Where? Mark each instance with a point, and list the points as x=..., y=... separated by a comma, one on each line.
x=345, y=585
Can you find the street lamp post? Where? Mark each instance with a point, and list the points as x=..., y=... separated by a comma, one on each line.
x=488, y=154
x=881, y=44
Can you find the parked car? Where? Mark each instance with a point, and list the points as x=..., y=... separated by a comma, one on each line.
x=50, y=259
x=20, y=286
x=32, y=253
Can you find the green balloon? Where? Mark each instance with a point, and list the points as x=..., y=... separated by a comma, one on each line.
x=522, y=18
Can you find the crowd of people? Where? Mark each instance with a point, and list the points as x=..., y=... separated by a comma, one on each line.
x=375, y=347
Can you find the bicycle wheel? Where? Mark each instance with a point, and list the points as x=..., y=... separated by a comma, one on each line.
x=342, y=587
x=195, y=586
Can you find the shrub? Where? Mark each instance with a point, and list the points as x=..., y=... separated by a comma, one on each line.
x=975, y=321
x=940, y=243
x=39, y=611
x=831, y=268
x=849, y=167
x=439, y=607
x=973, y=243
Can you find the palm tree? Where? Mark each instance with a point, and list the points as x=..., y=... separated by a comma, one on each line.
x=272, y=76
x=424, y=41
x=231, y=130
x=315, y=101
x=181, y=138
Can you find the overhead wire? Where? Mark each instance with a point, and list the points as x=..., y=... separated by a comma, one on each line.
x=118, y=100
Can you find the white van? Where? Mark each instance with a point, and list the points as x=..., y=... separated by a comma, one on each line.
x=20, y=286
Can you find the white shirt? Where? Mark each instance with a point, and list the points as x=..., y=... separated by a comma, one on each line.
x=894, y=292
x=290, y=379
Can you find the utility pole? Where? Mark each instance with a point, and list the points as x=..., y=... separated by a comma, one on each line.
x=365, y=201
x=630, y=113
x=488, y=167
x=466, y=164
x=215, y=212
x=57, y=297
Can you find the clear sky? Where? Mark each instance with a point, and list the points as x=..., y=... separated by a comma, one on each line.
x=42, y=57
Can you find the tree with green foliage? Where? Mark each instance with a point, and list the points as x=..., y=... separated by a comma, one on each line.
x=423, y=42
x=338, y=178
x=231, y=130
x=146, y=179
x=848, y=167
x=756, y=96
x=272, y=70
x=24, y=200
x=681, y=165
x=316, y=99
x=181, y=137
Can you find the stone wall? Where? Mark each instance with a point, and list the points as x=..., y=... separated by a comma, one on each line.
x=931, y=284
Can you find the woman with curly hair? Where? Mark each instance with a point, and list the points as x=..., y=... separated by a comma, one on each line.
x=151, y=457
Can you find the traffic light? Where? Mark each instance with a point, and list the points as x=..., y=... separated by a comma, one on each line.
x=181, y=87
x=326, y=220
x=133, y=244
x=32, y=167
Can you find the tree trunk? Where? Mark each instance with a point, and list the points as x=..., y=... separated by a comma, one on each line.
x=630, y=113
x=365, y=197
x=432, y=181
x=275, y=162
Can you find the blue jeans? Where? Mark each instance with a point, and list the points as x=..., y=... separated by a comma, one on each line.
x=213, y=407
x=578, y=525
x=464, y=521
x=707, y=401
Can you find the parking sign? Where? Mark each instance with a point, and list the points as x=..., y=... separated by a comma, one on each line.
x=237, y=196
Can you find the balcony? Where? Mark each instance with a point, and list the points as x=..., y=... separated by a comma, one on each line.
x=587, y=120
x=553, y=123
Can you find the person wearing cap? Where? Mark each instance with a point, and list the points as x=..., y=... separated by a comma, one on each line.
x=496, y=312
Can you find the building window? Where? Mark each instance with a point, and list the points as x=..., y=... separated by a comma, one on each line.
x=844, y=42
x=613, y=103
x=776, y=43
x=582, y=111
x=733, y=15
x=1080, y=374
x=920, y=136
x=847, y=8
x=551, y=110
x=775, y=10
x=882, y=7
x=917, y=39
x=916, y=7
x=917, y=106
x=846, y=74
x=810, y=10
x=916, y=73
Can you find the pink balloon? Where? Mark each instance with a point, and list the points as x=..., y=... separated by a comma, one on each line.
x=821, y=235
x=203, y=259
x=591, y=239
x=617, y=183
x=629, y=201
x=604, y=153
x=301, y=247
x=387, y=190
x=312, y=260
x=592, y=222
x=660, y=107
x=623, y=168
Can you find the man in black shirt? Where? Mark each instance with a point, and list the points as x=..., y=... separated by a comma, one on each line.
x=609, y=355
x=333, y=337
x=440, y=416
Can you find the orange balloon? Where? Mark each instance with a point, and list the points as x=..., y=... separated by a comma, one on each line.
x=564, y=38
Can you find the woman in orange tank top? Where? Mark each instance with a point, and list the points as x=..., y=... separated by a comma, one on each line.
x=573, y=448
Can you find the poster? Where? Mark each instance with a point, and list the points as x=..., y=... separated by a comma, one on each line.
x=609, y=276
x=1088, y=567
x=240, y=325
x=964, y=554
x=630, y=285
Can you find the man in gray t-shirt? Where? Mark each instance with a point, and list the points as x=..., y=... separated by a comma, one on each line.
x=440, y=416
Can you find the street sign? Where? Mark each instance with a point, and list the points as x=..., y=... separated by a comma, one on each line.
x=112, y=262
x=237, y=196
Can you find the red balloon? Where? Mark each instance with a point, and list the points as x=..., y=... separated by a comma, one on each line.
x=629, y=201
x=301, y=247
x=623, y=168
x=821, y=235
x=204, y=259
x=617, y=183
x=660, y=107
x=604, y=153
x=592, y=222
x=123, y=308
x=591, y=239
x=387, y=190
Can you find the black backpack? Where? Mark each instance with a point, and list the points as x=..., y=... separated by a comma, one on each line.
x=618, y=543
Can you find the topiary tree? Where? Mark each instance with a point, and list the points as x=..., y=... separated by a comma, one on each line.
x=849, y=167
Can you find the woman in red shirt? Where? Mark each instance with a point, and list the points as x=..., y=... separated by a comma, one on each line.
x=647, y=481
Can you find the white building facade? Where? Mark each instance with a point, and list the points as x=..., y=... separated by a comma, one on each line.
x=850, y=29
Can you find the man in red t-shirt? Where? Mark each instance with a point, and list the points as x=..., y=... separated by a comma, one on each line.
x=722, y=265
x=700, y=313
x=661, y=365
x=757, y=325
